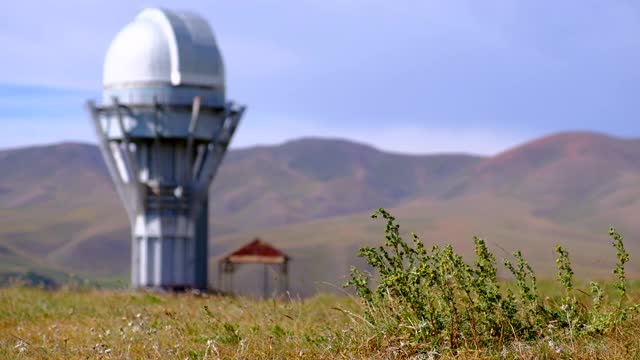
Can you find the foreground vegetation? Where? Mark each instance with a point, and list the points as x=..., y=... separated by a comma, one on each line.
x=437, y=302
x=36, y=324
x=420, y=303
x=39, y=324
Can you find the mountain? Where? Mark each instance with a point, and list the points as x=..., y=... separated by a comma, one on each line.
x=317, y=178
x=572, y=178
x=312, y=198
x=58, y=203
x=566, y=188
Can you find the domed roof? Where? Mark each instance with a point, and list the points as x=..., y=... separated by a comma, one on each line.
x=160, y=46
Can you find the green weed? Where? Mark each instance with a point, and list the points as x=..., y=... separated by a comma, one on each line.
x=436, y=301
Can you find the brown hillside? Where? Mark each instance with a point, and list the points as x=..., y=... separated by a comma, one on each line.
x=567, y=177
x=311, y=197
x=59, y=205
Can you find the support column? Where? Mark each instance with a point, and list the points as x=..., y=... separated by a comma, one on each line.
x=202, y=246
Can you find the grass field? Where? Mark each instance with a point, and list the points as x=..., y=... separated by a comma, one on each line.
x=90, y=324
x=417, y=304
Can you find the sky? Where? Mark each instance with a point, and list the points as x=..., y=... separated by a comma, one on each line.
x=406, y=76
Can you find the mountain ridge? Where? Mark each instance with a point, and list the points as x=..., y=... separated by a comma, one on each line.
x=61, y=210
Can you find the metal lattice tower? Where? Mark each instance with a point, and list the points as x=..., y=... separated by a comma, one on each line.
x=163, y=129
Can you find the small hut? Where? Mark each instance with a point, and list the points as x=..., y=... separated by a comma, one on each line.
x=255, y=252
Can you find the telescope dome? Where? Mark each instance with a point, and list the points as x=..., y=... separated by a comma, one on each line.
x=162, y=47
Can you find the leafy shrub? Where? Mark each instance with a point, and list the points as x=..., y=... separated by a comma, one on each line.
x=435, y=300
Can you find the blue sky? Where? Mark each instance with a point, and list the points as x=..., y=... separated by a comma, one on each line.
x=407, y=76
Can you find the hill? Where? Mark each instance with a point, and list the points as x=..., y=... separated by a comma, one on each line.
x=62, y=207
x=312, y=197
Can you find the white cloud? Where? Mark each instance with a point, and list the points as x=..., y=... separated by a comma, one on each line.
x=272, y=130
x=62, y=44
x=38, y=131
x=44, y=102
x=441, y=140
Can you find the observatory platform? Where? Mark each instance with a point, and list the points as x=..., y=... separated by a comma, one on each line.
x=163, y=128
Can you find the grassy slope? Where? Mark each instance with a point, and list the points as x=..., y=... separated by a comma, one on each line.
x=323, y=251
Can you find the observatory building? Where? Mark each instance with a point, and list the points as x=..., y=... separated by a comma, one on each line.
x=163, y=127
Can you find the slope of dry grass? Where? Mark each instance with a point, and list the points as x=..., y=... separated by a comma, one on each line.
x=323, y=250
x=58, y=208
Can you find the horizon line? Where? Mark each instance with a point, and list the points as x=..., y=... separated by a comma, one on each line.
x=344, y=139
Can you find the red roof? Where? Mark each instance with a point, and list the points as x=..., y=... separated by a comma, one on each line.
x=257, y=250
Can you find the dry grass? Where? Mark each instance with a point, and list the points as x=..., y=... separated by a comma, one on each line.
x=91, y=323
x=37, y=324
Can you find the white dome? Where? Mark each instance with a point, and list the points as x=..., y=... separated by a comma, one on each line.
x=162, y=46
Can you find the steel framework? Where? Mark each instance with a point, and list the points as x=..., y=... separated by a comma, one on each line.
x=162, y=167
